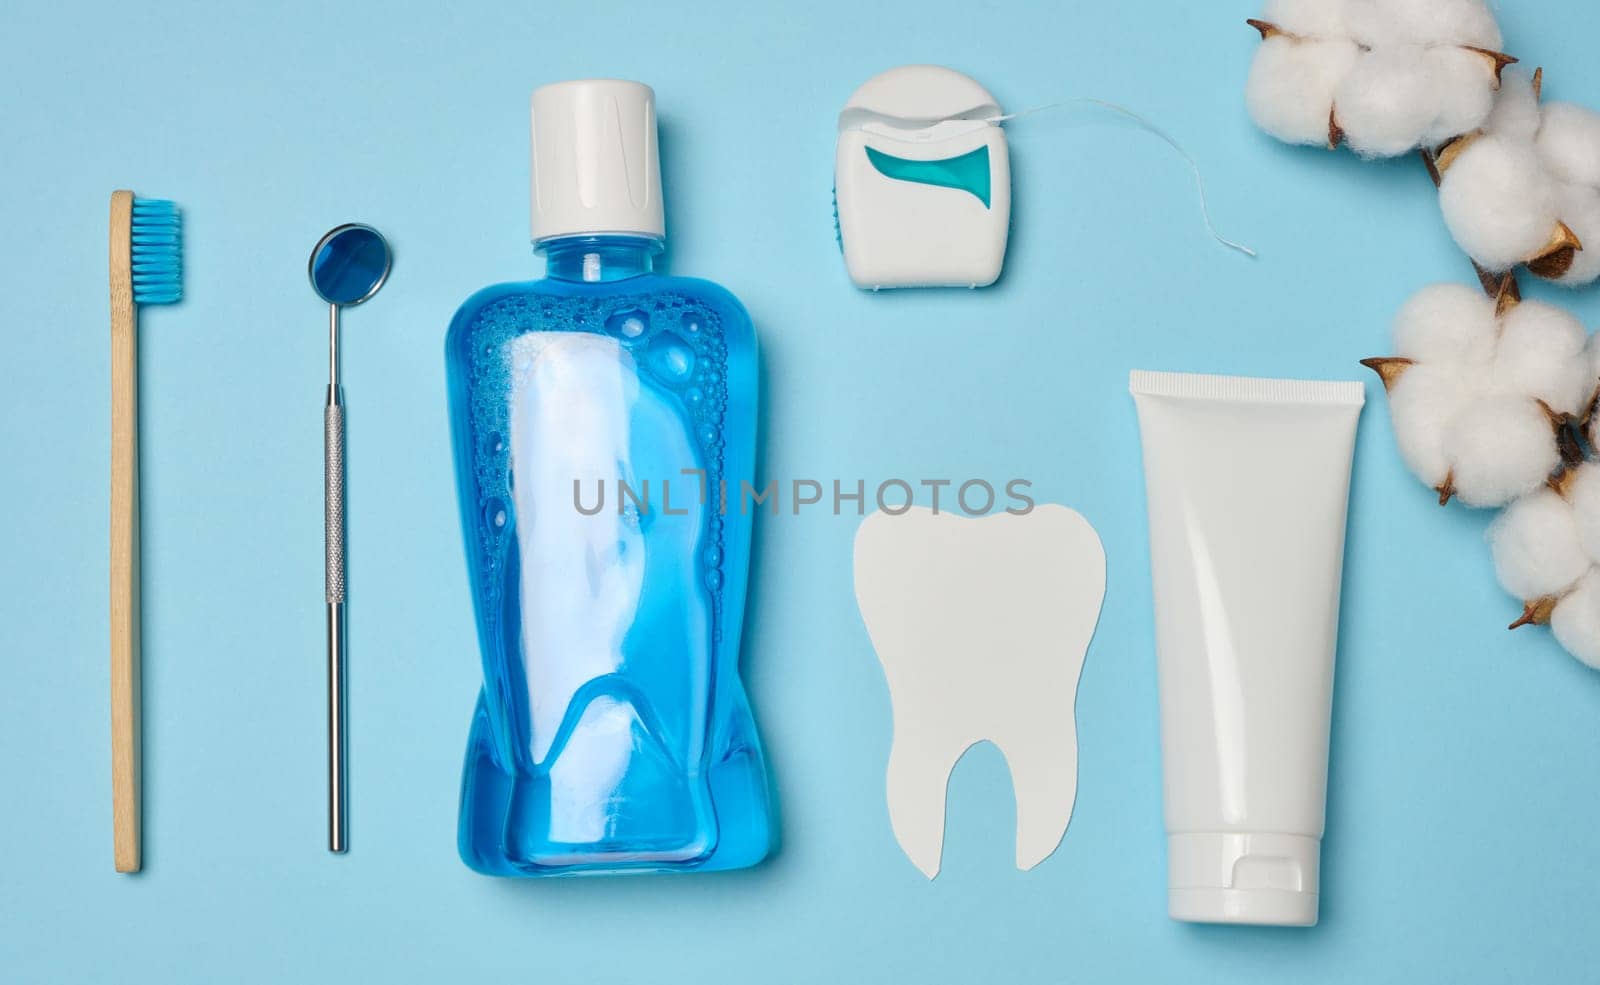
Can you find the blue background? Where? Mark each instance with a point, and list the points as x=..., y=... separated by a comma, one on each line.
x=1462, y=814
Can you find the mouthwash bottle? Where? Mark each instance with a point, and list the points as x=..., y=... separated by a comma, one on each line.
x=602, y=417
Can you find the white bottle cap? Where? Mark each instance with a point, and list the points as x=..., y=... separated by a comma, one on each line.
x=596, y=168
x=1235, y=877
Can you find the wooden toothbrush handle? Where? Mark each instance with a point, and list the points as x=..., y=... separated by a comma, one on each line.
x=124, y=541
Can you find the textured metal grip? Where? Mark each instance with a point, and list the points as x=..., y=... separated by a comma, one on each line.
x=333, y=497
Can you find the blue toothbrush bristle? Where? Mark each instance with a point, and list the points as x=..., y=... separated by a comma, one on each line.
x=157, y=252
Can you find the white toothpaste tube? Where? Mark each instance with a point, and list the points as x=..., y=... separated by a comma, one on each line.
x=1247, y=481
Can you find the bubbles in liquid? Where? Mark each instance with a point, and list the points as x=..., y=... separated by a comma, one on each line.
x=671, y=358
x=494, y=513
x=629, y=512
x=681, y=348
x=628, y=324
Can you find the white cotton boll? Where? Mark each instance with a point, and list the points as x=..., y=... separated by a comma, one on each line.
x=1384, y=22
x=1498, y=202
x=1569, y=143
x=1500, y=448
x=1468, y=403
x=1395, y=73
x=1576, y=621
x=1387, y=102
x=1447, y=323
x=1466, y=22
x=1542, y=354
x=1535, y=547
x=1372, y=23
x=1463, y=93
x=1505, y=193
x=1290, y=89
x=1307, y=18
x=1583, y=493
x=1579, y=207
x=1422, y=403
x=1516, y=112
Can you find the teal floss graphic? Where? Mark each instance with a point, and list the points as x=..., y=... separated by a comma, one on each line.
x=968, y=173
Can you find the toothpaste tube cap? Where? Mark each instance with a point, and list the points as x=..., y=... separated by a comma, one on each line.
x=1234, y=877
x=596, y=165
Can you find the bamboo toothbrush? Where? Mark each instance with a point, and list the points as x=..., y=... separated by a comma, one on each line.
x=146, y=268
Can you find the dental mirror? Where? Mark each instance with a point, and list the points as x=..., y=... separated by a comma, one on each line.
x=349, y=264
x=347, y=267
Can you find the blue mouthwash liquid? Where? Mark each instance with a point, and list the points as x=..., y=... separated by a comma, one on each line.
x=597, y=416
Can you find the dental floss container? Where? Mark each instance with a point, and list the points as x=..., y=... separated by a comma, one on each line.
x=922, y=181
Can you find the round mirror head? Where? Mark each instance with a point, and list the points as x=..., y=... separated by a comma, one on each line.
x=349, y=264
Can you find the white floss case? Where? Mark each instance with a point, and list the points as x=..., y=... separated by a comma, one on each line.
x=922, y=181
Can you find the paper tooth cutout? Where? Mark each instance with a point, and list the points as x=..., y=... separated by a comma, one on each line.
x=982, y=626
